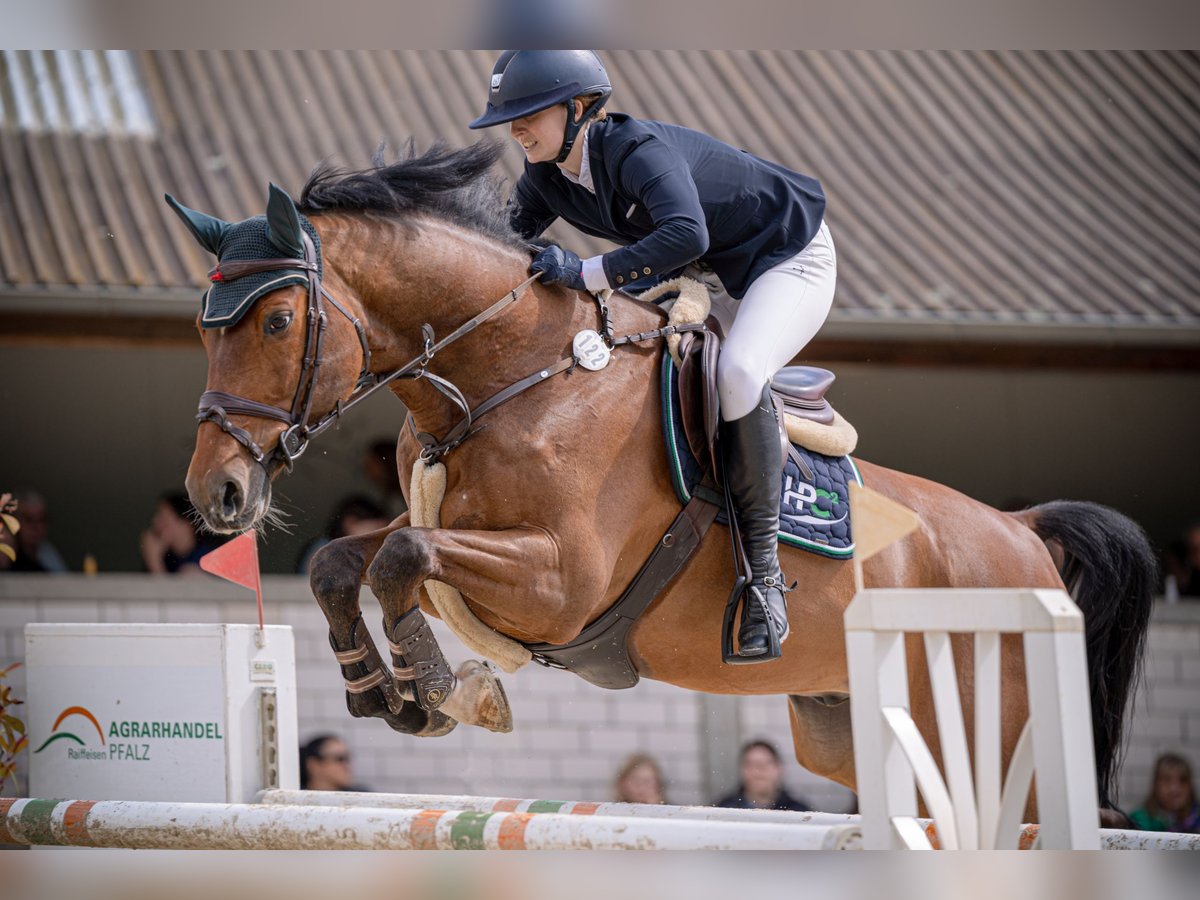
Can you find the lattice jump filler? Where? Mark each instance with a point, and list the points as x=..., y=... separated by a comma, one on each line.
x=892, y=760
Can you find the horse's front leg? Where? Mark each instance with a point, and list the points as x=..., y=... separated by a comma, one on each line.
x=514, y=563
x=336, y=575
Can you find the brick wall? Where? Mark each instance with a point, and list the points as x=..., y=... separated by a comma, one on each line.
x=1166, y=714
x=570, y=737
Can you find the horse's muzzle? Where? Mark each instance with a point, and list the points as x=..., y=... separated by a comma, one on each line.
x=230, y=502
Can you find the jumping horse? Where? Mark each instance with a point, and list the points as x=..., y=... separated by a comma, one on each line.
x=555, y=498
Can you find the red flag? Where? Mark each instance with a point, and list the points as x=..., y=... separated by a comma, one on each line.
x=237, y=561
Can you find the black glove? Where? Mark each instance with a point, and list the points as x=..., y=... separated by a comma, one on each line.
x=559, y=266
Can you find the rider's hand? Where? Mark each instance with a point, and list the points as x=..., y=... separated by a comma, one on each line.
x=559, y=266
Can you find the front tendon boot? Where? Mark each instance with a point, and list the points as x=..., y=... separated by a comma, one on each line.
x=417, y=658
x=753, y=463
x=370, y=690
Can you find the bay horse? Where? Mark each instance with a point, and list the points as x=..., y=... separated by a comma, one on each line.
x=558, y=496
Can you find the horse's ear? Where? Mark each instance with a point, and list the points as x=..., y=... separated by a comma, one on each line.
x=207, y=229
x=283, y=223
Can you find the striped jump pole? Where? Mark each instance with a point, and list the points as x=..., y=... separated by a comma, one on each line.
x=556, y=807
x=1110, y=838
x=224, y=826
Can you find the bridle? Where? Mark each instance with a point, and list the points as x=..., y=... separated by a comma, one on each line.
x=217, y=406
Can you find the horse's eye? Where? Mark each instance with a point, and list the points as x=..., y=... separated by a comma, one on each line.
x=278, y=322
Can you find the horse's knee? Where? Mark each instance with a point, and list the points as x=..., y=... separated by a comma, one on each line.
x=335, y=572
x=402, y=563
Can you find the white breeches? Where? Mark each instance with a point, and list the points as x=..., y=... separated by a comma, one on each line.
x=782, y=310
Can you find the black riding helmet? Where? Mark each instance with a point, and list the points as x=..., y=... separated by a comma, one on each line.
x=527, y=81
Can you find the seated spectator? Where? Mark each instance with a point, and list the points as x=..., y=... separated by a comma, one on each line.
x=762, y=781
x=1171, y=805
x=356, y=514
x=35, y=553
x=325, y=765
x=172, y=544
x=640, y=780
x=1182, y=565
x=8, y=535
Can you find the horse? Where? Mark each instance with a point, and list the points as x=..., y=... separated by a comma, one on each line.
x=555, y=498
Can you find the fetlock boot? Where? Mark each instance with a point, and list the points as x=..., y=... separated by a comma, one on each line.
x=417, y=659
x=753, y=462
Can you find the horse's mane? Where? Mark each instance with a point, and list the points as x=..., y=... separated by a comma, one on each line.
x=450, y=183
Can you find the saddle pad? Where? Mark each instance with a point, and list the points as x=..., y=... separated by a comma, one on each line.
x=814, y=514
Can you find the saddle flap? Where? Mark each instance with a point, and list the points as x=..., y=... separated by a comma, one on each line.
x=698, y=399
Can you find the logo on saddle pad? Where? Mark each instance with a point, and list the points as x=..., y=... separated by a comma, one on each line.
x=825, y=507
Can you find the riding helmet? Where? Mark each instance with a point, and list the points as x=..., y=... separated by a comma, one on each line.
x=527, y=81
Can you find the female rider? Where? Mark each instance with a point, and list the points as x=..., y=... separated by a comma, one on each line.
x=674, y=197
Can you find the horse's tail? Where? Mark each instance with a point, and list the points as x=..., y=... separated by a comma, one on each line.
x=1107, y=565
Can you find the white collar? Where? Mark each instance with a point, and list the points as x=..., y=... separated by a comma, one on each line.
x=584, y=177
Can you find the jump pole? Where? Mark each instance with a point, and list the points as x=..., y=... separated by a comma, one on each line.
x=556, y=807
x=1110, y=838
x=223, y=826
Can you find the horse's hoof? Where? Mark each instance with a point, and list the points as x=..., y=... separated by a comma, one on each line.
x=439, y=723
x=479, y=698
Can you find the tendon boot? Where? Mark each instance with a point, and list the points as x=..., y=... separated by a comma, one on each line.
x=753, y=462
x=417, y=659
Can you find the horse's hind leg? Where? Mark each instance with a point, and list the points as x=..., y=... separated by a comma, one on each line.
x=335, y=577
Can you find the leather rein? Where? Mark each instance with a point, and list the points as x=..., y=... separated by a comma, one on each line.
x=217, y=406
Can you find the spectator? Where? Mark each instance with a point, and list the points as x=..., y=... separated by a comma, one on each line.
x=1182, y=565
x=325, y=765
x=172, y=545
x=640, y=780
x=379, y=465
x=9, y=526
x=761, y=786
x=35, y=553
x=1171, y=804
x=356, y=514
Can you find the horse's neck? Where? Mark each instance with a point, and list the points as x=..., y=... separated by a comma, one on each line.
x=443, y=275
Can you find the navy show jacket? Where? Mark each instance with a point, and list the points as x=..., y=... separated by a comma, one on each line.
x=672, y=196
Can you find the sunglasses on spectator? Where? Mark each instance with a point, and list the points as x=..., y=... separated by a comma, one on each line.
x=335, y=757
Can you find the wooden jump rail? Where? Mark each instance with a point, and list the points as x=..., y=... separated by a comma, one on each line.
x=232, y=826
x=1110, y=839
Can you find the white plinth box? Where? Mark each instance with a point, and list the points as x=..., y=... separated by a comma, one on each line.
x=196, y=713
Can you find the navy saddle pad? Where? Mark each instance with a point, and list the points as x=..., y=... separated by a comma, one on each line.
x=814, y=514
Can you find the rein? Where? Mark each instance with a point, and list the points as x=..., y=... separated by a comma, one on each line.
x=217, y=406
x=433, y=449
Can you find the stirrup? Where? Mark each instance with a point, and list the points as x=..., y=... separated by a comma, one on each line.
x=728, y=655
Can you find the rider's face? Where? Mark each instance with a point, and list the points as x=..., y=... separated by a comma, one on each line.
x=541, y=134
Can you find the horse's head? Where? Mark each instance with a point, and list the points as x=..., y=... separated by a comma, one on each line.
x=276, y=361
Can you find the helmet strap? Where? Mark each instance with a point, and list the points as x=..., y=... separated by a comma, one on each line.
x=572, y=129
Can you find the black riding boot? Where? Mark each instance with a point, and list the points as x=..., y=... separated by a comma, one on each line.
x=753, y=463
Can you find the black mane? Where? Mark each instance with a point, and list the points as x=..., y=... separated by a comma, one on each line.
x=453, y=184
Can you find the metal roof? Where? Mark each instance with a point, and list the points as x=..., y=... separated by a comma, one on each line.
x=1028, y=192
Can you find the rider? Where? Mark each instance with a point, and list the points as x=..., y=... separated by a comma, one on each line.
x=674, y=197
